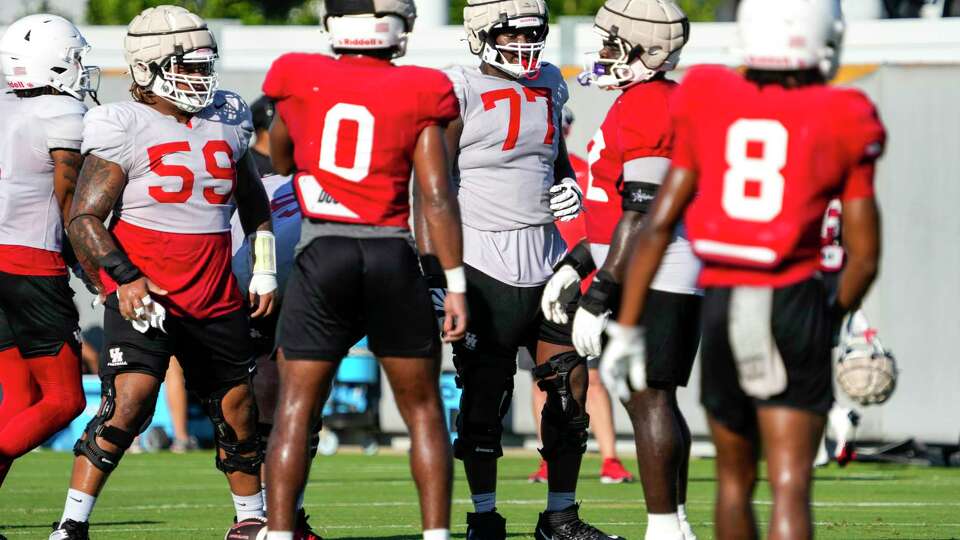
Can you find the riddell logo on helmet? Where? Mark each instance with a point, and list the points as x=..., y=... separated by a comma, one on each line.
x=19, y=84
x=361, y=42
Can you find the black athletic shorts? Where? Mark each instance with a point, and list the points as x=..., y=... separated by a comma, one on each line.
x=215, y=353
x=801, y=328
x=504, y=318
x=342, y=289
x=37, y=314
x=671, y=323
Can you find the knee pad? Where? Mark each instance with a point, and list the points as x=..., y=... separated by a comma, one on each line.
x=487, y=385
x=564, y=422
x=226, y=439
x=102, y=459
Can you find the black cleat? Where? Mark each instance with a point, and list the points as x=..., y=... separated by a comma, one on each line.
x=567, y=525
x=70, y=530
x=486, y=526
x=302, y=530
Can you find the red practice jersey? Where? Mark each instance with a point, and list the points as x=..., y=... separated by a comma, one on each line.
x=636, y=126
x=768, y=159
x=355, y=121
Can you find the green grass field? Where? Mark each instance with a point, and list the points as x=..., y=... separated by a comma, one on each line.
x=355, y=496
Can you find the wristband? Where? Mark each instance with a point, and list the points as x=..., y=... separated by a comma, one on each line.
x=118, y=266
x=603, y=294
x=456, y=280
x=578, y=258
x=264, y=253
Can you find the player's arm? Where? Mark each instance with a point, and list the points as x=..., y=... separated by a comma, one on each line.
x=451, y=139
x=253, y=208
x=99, y=185
x=441, y=216
x=861, y=241
x=565, y=196
x=281, y=147
x=66, y=169
x=651, y=241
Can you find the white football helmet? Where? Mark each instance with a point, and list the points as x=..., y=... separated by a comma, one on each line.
x=484, y=19
x=47, y=50
x=171, y=53
x=866, y=371
x=789, y=35
x=649, y=35
x=369, y=24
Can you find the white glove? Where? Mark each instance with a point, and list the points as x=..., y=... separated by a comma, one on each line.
x=566, y=199
x=588, y=332
x=263, y=283
x=623, y=366
x=151, y=315
x=559, y=291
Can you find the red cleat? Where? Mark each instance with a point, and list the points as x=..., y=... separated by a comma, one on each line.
x=613, y=472
x=539, y=477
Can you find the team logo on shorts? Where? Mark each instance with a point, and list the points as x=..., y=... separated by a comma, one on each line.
x=116, y=358
x=470, y=341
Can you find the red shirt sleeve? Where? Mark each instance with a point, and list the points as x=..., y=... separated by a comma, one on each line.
x=275, y=85
x=866, y=138
x=438, y=101
x=682, y=113
x=645, y=127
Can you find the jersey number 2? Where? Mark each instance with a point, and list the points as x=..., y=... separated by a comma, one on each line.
x=753, y=184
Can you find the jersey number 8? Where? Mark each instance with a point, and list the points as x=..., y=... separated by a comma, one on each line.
x=753, y=185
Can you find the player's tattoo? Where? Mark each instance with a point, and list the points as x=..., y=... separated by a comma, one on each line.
x=98, y=187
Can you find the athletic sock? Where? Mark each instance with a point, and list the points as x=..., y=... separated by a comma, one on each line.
x=279, y=535
x=248, y=506
x=78, y=507
x=436, y=534
x=685, y=525
x=560, y=500
x=663, y=527
x=484, y=502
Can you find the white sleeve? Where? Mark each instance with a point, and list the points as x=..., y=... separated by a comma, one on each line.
x=649, y=170
x=459, y=81
x=105, y=136
x=62, y=121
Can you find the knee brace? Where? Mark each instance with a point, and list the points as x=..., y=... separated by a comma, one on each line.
x=226, y=439
x=564, y=422
x=487, y=385
x=102, y=459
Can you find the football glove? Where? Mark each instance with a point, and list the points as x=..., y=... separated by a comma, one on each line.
x=623, y=368
x=566, y=199
x=151, y=315
x=588, y=332
x=558, y=293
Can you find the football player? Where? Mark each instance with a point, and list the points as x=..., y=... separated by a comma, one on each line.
x=41, y=58
x=353, y=147
x=262, y=111
x=757, y=157
x=629, y=157
x=285, y=214
x=171, y=165
x=612, y=470
x=514, y=180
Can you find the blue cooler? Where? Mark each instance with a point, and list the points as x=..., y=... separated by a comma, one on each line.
x=355, y=397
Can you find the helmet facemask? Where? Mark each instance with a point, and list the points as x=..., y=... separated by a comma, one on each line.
x=189, y=81
x=87, y=78
x=517, y=59
x=622, y=69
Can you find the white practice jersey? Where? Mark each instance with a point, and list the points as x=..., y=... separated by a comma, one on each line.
x=180, y=177
x=285, y=215
x=511, y=133
x=29, y=129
